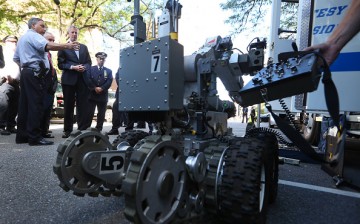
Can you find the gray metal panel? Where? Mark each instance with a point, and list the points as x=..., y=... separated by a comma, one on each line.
x=304, y=16
x=347, y=85
x=152, y=76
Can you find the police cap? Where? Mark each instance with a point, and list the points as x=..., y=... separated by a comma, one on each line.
x=101, y=55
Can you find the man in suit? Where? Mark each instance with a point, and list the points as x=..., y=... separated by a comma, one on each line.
x=51, y=83
x=74, y=65
x=99, y=79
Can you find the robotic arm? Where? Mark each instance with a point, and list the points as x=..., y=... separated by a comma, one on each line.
x=216, y=58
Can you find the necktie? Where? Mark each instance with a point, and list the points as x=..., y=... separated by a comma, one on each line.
x=51, y=65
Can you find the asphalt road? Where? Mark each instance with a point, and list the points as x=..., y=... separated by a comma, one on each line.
x=30, y=193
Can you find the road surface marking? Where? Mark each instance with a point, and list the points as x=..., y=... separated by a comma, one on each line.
x=322, y=189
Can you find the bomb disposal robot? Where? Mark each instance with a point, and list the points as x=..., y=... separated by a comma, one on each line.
x=193, y=164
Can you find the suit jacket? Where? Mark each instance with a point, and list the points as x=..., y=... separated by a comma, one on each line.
x=97, y=78
x=67, y=58
x=2, y=62
x=51, y=80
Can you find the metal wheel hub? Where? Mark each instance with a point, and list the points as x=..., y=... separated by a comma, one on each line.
x=155, y=183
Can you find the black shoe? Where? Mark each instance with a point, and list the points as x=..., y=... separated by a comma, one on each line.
x=11, y=129
x=21, y=140
x=40, y=142
x=5, y=132
x=66, y=135
x=49, y=131
x=112, y=132
x=48, y=136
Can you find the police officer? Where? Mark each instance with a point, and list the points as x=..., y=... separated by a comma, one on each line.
x=99, y=80
x=31, y=55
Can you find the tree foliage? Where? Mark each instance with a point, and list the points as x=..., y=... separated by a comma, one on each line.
x=249, y=14
x=111, y=17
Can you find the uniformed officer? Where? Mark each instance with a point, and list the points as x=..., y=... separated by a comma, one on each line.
x=99, y=80
x=31, y=55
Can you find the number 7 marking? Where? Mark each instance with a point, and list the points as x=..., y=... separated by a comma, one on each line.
x=155, y=63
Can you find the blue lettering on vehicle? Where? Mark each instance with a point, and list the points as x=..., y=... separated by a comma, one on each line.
x=327, y=12
x=324, y=12
x=325, y=29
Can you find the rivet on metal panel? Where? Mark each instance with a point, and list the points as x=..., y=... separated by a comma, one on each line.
x=165, y=72
x=147, y=79
x=165, y=101
x=166, y=43
x=141, y=45
x=159, y=39
x=147, y=49
x=155, y=78
x=155, y=47
x=134, y=52
x=149, y=107
x=132, y=108
x=166, y=58
x=158, y=107
x=128, y=54
x=140, y=108
x=165, y=86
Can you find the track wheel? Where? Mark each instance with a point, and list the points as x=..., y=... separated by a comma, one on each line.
x=155, y=182
x=271, y=148
x=244, y=187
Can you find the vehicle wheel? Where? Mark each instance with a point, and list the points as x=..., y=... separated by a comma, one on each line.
x=244, y=187
x=271, y=148
x=311, y=129
x=132, y=137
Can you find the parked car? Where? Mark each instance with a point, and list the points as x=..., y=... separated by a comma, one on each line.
x=267, y=118
x=111, y=99
x=58, y=105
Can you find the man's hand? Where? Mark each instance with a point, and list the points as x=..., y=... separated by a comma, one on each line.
x=73, y=46
x=79, y=68
x=98, y=90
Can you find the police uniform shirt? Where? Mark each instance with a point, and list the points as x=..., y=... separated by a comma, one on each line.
x=32, y=46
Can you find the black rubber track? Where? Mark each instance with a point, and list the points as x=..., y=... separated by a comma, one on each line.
x=271, y=148
x=132, y=137
x=239, y=193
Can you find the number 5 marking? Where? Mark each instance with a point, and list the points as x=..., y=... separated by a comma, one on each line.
x=155, y=63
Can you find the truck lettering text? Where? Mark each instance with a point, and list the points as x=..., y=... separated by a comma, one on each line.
x=330, y=11
x=325, y=29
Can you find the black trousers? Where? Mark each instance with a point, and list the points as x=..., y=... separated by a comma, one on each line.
x=48, y=106
x=30, y=106
x=79, y=93
x=100, y=117
x=118, y=117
